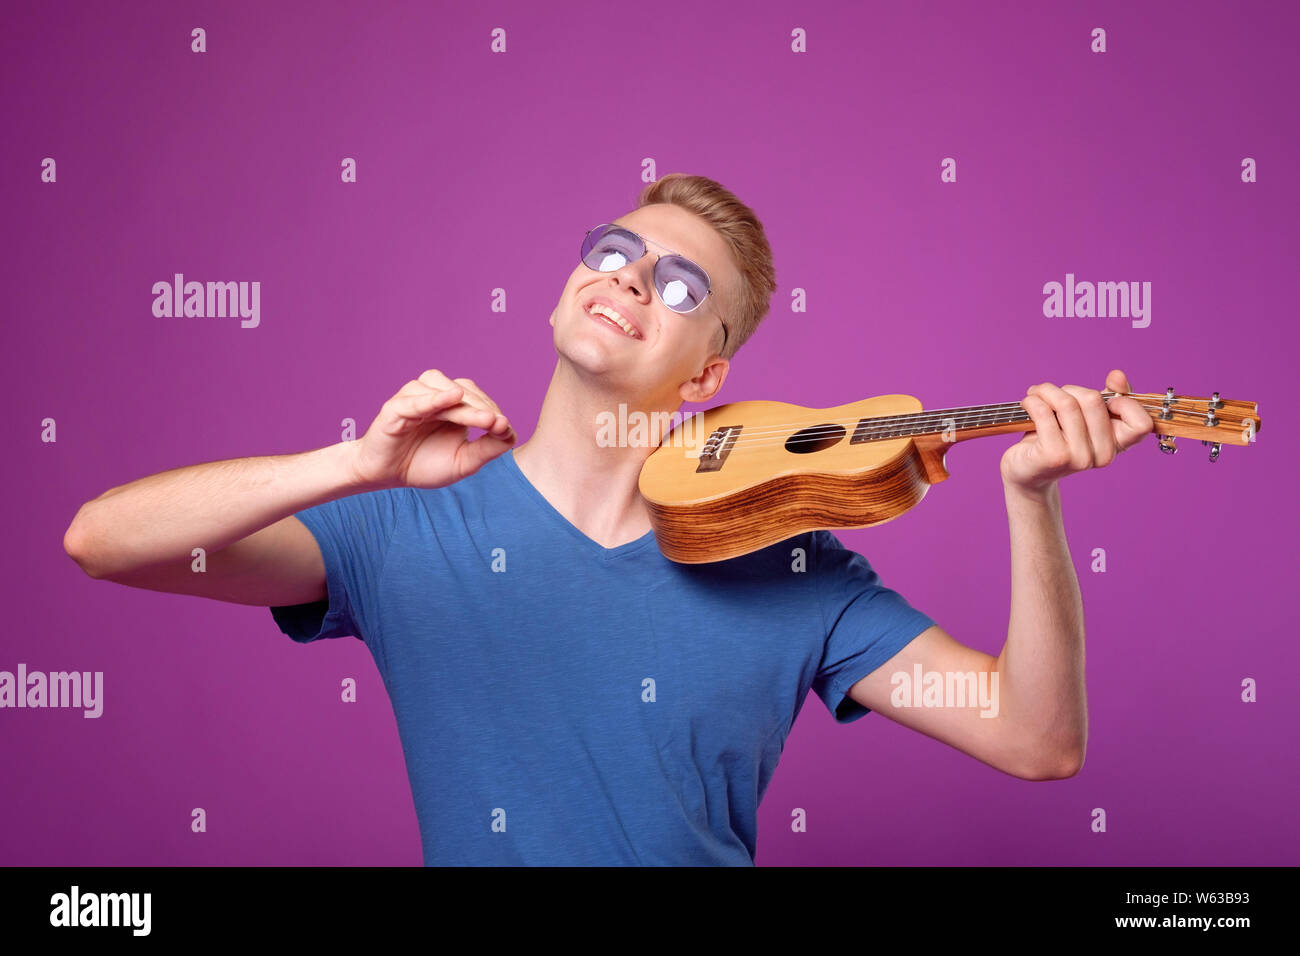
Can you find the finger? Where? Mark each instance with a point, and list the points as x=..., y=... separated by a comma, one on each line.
x=470, y=393
x=477, y=396
x=471, y=416
x=472, y=387
x=416, y=401
x=1116, y=381
x=435, y=379
x=499, y=424
x=1073, y=428
x=1101, y=433
x=441, y=406
x=1134, y=421
x=1047, y=430
x=473, y=455
x=416, y=387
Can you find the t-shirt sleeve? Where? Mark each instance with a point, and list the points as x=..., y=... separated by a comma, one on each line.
x=866, y=624
x=354, y=534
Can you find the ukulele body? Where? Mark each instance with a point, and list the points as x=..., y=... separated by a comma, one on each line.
x=773, y=479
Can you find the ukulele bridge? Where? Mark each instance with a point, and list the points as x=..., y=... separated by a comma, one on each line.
x=718, y=447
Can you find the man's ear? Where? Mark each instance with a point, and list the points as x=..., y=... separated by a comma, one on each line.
x=704, y=386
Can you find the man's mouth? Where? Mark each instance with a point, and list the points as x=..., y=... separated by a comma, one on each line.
x=609, y=316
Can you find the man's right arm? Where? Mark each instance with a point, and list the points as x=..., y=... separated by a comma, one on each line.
x=240, y=511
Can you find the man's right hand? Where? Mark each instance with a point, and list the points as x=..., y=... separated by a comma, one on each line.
x=420, y=437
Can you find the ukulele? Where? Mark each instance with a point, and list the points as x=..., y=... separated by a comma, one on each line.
x=741, y=476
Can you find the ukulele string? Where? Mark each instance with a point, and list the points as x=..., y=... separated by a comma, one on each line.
x=880, y=433
x=967, y=411
x=780, y=434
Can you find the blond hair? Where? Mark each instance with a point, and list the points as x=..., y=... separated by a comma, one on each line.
x=744, y=235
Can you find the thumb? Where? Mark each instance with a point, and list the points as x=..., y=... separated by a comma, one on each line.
x=1116, y=381
x=473, y=455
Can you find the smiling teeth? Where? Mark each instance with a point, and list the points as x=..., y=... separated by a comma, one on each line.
x=598, y=309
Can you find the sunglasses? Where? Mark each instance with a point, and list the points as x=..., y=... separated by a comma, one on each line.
x=680, y=283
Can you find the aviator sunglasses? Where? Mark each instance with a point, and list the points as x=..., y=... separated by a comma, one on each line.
x=680, y=283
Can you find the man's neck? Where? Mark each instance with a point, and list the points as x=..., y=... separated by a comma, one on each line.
x=565, y=459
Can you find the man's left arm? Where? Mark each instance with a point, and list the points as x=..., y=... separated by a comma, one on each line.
x=1036, y=724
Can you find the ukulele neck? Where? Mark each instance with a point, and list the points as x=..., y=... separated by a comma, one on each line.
x=952, y=424
x=1212, y=420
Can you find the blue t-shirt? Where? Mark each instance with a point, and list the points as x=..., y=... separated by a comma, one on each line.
x=562, y=703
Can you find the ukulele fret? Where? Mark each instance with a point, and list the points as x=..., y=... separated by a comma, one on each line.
x=905, y=426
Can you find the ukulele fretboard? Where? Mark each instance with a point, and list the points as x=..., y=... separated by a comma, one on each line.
x=942, y=420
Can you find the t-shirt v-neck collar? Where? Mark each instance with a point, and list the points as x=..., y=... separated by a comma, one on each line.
x=595, y=547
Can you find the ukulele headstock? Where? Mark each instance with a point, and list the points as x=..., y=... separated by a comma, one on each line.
x=1214, y=421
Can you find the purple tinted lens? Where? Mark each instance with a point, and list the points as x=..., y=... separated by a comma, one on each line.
x=607, y=248
x=682, y=285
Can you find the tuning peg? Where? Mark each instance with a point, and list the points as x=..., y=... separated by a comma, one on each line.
x=1165, y=412
x=1167, y=445
x=1214, y=447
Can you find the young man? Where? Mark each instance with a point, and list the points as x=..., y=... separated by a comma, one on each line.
x=564, y=694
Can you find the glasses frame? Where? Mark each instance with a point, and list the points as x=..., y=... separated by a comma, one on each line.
x=658, y=258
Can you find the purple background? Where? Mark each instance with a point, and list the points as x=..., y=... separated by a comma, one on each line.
x=225, y=166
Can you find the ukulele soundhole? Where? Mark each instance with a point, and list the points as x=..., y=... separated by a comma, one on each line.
x=816, y=438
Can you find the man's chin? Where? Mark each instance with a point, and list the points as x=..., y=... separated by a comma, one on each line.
x=593, y=353
x=603, y=371
x=606, y=370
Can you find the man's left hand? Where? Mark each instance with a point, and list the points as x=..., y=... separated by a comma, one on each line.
x=1075, y=429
